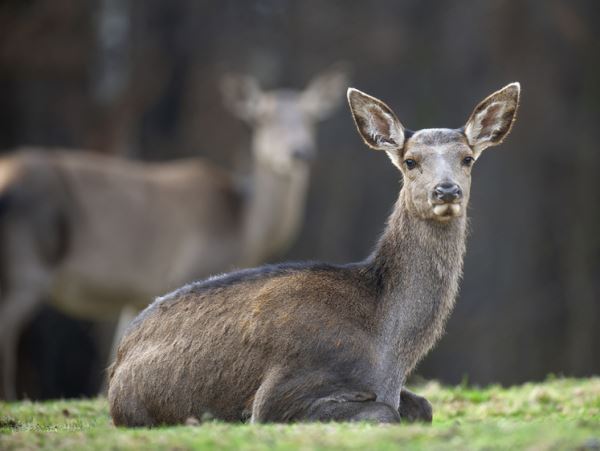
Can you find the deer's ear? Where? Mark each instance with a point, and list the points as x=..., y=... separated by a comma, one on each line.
x=325, y=92
x=241, y=95
x=376, y=122
x=493, y=118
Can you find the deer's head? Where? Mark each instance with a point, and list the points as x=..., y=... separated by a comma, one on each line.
x=436, y=163
x=284, y=121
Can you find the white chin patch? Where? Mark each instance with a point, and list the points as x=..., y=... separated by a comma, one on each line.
x=446, y=210
x=440, y=210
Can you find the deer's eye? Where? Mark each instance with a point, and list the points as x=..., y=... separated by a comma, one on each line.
x=468, y=161
x=410, y=163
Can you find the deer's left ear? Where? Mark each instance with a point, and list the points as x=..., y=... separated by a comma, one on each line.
x=492, y=119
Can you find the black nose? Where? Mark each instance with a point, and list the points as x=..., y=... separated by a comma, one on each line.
x=447, y=192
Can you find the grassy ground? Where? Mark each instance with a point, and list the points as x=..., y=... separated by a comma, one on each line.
x=557, y=414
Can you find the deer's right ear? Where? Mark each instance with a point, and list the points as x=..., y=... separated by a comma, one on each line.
x=241, y=96
x=493, y=118
x=376, y=122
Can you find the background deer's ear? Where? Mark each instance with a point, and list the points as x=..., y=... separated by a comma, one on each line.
x=325, y=92
x=376, y=122
x=492, y=119
x=241, y=96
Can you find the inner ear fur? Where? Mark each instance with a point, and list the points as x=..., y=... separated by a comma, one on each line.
x=493, y=118
x=376, y=123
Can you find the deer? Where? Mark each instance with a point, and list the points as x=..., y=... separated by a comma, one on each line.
x=298, y=342
x=91, y=233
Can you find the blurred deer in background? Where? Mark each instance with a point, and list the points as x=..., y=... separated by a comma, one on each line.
x=313, y=341
x=92, y=234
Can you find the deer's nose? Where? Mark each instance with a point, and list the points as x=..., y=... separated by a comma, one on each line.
x=447, y=192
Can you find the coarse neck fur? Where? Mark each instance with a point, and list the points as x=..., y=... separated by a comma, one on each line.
x=418, y=265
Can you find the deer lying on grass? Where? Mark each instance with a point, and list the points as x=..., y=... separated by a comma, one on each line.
x=93, y=233
x=319, y=342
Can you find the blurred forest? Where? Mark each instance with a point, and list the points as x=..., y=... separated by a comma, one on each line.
x=140, y=79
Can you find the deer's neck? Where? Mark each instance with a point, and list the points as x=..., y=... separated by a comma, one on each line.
x=273, y=212
x=418, y=264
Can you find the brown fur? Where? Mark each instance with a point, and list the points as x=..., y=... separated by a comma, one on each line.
x=310, y=342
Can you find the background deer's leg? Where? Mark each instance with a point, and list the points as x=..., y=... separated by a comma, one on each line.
x=24, y=279
x=16, y=309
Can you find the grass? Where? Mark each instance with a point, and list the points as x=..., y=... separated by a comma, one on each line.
x=557, y=414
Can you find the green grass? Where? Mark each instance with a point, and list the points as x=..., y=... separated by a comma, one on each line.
x=556, y=414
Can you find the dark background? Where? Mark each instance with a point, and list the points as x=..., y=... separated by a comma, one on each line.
x=140, y=78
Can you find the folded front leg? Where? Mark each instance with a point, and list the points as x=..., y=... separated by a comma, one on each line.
x=414, y=407
x=351, y=406
x=316, y=396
